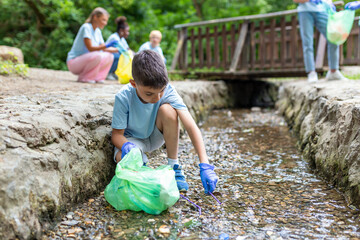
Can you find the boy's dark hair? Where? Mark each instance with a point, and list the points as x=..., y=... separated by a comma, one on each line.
x=148, y=69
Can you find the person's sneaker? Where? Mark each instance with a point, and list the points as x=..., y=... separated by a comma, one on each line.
x=100, y=81
x=333, y=76
x=112, y=76
x=312, y=77
x=180, y=179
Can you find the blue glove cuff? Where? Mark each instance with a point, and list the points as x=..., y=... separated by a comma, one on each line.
x=206, y=166
x=125, y=145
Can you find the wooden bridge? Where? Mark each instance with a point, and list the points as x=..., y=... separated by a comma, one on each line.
x=255, y=46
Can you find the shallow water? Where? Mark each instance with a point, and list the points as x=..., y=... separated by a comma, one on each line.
x=267, y=192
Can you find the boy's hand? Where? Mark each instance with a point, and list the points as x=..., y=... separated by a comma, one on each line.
x=126, y=147
x=353, y=5
x=208, y=177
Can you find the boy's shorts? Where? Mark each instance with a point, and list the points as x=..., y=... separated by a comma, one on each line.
x=155, y=141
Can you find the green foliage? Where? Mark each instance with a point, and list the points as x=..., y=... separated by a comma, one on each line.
x=45, y=29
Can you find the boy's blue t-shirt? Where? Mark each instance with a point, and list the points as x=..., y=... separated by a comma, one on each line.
x=138, y=118
x=147, y=46
x=86, y=31
x=122, y=41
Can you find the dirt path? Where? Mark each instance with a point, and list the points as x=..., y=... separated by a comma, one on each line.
x=43, y=80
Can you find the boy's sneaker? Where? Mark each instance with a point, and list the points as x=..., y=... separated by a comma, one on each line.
x=312, y=77
x=180, y=179
x=112, y=76
x=333, y=76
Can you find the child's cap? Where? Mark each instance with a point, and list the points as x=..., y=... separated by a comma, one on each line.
x=155, y=33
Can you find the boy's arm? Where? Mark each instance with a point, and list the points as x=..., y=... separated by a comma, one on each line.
x=300, y=1
x=194, y=134
x=121, y=142
x=118, y=138
x=207, y=174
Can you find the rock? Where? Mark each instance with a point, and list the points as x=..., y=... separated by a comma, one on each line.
x=70, y=223
x=164, y=229
x=11, y=53
x=326, y=119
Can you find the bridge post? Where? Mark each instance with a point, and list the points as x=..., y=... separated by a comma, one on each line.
x=181, y=49
x=239, y=46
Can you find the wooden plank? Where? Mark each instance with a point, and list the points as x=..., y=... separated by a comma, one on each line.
x=320, y=52
x=192, y=42
x=293, y=44
x=252, y=46
x=341, y=55
x=178, y=50
x=208, y=49
x=262, y=45
x=200, y=50
x=224, y=45
x=283, y=42
x=244, y=62
x=180, y=61
x=216, y=47
x=237, y=19
x=239, y=46
x=356, y=42
x=184, y=50
x=272, y=42
x=233, y=40
x=349, y=47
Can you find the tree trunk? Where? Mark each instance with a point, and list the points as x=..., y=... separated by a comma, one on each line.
x=198, y=4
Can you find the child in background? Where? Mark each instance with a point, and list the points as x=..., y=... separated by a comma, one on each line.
x=145, y=116
x=154, y=43
x=314, y=12
x=89, y=57
x=118, y=39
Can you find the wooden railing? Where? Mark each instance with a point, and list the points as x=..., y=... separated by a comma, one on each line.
x=254, y=45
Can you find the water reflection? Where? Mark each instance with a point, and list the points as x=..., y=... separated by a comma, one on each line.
x=267, y=191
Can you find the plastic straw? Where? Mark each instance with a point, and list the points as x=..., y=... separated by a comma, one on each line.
x=215, y=198
x=192, y=203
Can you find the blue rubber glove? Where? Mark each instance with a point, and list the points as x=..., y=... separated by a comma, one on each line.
x=208, y=177
x=126, y=147
x=353, y=5
x=111, y=43
x=315, y=1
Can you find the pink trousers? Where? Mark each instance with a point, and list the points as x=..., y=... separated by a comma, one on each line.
x=91, y=66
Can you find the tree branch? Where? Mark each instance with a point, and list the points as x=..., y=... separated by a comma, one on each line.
x=198, y=8
x=39, y=16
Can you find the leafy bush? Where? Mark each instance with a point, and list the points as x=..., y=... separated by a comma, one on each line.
x=9, y=68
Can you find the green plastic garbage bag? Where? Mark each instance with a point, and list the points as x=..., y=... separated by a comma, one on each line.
x=339, y=26
x=136, y=187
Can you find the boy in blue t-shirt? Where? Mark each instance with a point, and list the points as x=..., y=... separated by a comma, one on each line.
x=146, y=113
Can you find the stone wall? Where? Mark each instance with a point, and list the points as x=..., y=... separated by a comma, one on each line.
x=326, y=119
x=55, y=149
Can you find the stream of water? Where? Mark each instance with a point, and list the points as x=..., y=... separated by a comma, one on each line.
x=267, y=192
